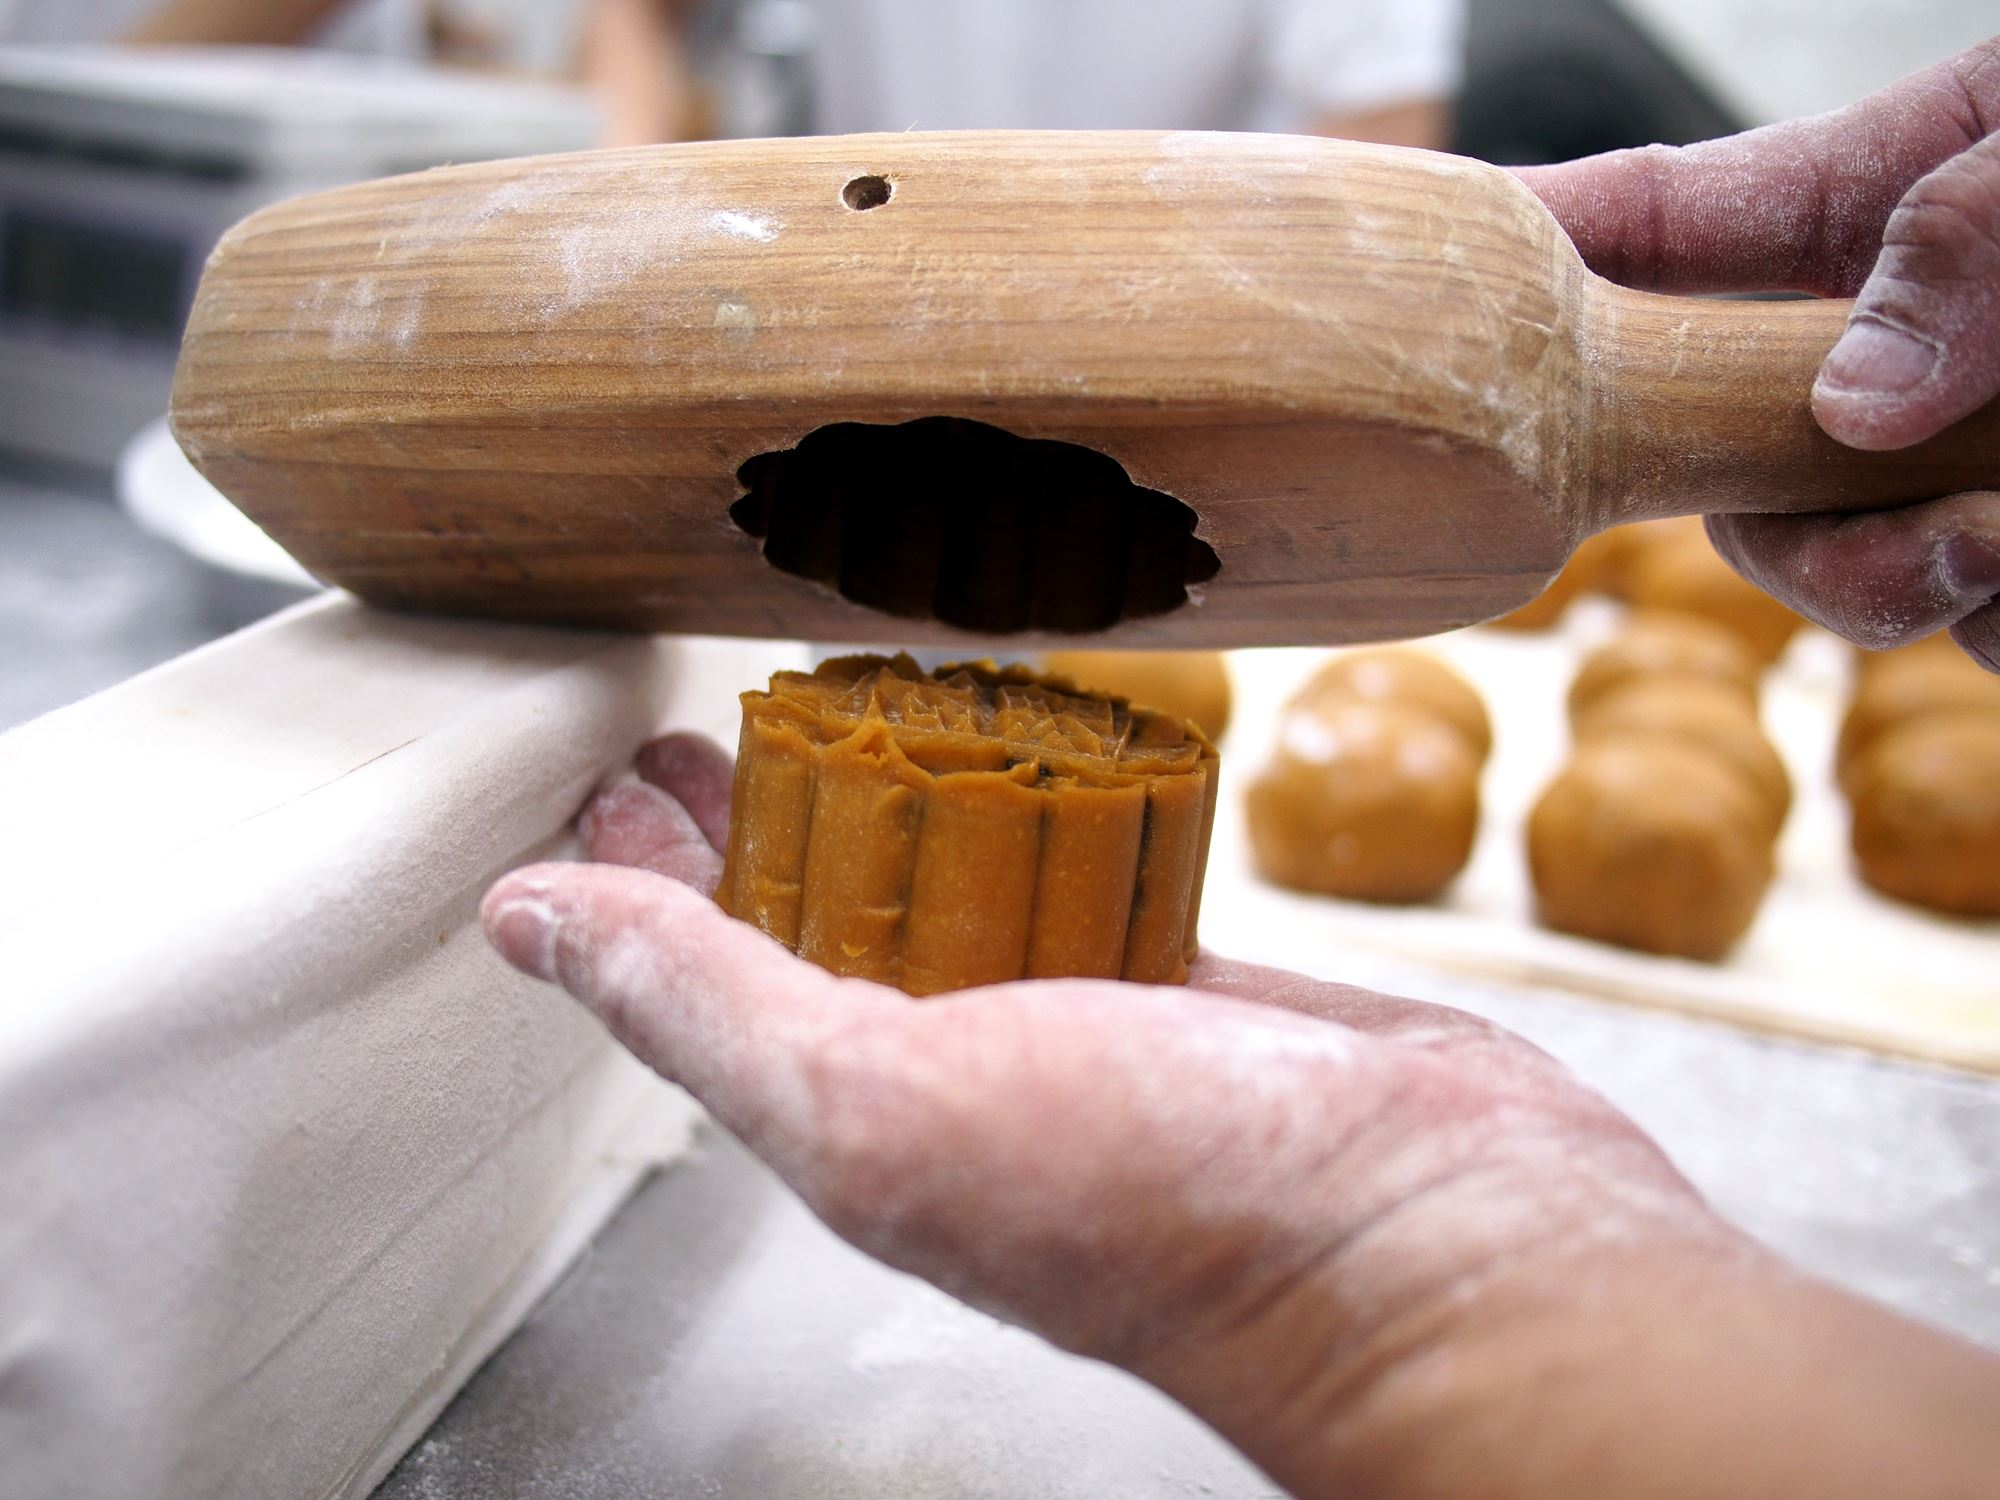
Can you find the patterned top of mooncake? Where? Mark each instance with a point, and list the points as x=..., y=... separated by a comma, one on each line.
x=976, y=716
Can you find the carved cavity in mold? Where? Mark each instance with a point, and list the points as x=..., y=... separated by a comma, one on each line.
x=949, y=519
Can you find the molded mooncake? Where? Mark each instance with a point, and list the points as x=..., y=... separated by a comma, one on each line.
x=976, y=825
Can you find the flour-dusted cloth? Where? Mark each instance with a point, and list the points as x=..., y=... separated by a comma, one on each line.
x=285, y=1150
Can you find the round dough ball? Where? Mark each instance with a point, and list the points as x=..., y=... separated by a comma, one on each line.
x=1665, y=645
x=1650, y=844
x=1938, y=647
x=1193, y=685
x=1597, y=560
x=1622, y=547
x=1927, y=814
x=1396, y=674
x=1687, y=575
x=1368, y=800
x=1701, y=712
x=1547, y=607
x=1904, y=690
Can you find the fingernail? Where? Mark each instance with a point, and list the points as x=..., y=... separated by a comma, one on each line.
x=1968, y=566
x=1875, y=359
x=1978, y=635
x=525, y=930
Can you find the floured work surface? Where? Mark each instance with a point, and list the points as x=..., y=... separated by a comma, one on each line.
x=1827, y=958
x=285, y=1149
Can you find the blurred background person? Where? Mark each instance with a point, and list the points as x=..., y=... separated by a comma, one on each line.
x=1367, y=69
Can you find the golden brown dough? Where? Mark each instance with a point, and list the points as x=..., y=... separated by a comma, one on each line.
x=1596, y=561
x=936, y=831
x=1547, y=608
x=1652, y=844
x=1927, y=814
x=1906, y=688
x=1588, y=569
x=1939, y=647
x=1686, y=574
x=1655, y=645
x=1702, y=712
x=1372, y=800
x=1396, y=674
x=1624, y=546
x=1192, y=685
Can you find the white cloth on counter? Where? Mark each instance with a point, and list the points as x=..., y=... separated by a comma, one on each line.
x=1126, y=64
x=285, y=1150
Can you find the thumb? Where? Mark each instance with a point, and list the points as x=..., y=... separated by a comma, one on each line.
x=1919, y=351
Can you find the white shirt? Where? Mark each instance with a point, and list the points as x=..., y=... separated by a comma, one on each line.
x=1130, y=64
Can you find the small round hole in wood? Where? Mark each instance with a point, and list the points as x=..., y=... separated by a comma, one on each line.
x=954, y=520
x=864, y=193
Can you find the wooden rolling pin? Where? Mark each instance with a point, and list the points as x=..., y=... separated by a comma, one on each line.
x=1175, y=390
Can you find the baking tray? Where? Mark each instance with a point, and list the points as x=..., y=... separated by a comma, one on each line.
x=1827, y=958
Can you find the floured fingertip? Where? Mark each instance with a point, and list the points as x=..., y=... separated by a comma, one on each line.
x=634, y=823
x=524, y=928
x=698, y=773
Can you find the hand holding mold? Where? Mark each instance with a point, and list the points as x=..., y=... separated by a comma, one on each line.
x=1894, y=201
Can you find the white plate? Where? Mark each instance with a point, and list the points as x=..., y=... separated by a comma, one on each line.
x=162, y=491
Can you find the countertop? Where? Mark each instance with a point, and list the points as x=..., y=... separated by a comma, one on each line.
x=87, y=599
x=716, y=1341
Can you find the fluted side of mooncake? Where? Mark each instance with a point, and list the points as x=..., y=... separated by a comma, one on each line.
x=935, y=831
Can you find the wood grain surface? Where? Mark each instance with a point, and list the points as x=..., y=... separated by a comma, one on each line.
x=1387, y=393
